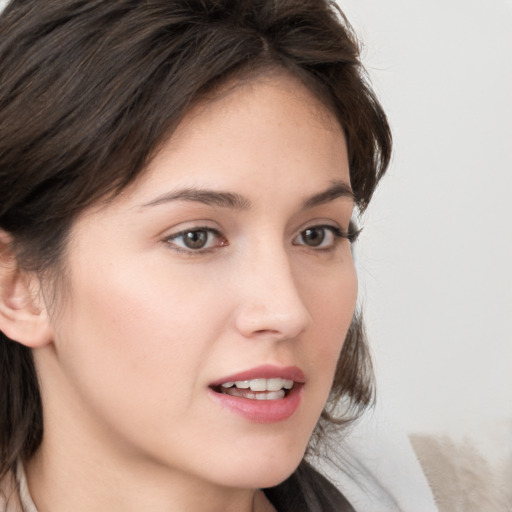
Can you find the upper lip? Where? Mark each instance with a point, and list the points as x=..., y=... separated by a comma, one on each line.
x=265, y=372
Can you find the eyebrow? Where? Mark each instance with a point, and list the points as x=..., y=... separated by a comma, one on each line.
x=336, y=190
x=238, y=202
x=209, y=197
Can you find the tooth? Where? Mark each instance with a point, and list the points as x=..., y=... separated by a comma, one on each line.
x=274, y=384
x=288, y=384
x=232, y=391
x=258, y=384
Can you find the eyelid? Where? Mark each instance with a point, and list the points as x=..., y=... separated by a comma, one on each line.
x=351, y=234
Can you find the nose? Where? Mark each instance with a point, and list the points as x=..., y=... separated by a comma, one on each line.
x=270, y=304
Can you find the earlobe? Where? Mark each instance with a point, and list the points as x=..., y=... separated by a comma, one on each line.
x=23, y=314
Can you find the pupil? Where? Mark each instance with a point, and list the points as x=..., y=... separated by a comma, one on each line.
x=195, y=239
x=313, y=236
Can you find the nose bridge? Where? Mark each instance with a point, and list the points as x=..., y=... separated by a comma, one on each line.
x=270, y=298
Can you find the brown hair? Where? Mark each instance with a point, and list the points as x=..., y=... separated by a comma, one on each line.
x=88, y=92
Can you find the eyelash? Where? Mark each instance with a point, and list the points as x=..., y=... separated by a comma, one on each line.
x=337, y=233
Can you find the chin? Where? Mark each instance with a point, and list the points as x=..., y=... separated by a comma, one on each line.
x=265, y=459
x=263, y=470
x=273, y=478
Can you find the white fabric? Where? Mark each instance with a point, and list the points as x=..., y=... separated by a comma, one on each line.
x=3, y=4
x=25, y=498
x=381, y=471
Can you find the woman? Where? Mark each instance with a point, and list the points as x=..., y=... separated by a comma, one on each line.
x=178, y=182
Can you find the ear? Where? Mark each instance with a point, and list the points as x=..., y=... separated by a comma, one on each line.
x=23, y=313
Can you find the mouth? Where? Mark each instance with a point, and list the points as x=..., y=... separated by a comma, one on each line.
x=257, y=389
x=267, y=394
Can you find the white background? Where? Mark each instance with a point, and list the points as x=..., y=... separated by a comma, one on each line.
x=435, y=259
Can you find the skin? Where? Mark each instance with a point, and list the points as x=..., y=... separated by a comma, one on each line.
x=145, y=324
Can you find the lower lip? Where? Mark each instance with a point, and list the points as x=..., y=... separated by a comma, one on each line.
x=262, y=411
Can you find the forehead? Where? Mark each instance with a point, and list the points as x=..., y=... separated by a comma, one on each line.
x=270, y=123
x=276, y=88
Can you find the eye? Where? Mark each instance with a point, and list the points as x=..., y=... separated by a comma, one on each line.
x=321, y=237
x=196, y=239
x=326, y=237
x=313, y=237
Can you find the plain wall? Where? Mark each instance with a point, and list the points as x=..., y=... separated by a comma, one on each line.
x=435, y=256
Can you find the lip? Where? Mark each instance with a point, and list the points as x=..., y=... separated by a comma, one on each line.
x=262, y=411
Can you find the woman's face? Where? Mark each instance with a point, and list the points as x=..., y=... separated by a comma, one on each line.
x=226, y=261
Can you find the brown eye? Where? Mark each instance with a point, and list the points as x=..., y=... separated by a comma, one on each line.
x=322, y=237
x=313, y=236
x=195, y=239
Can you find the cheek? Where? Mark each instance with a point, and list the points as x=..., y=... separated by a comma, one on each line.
x=332, y=306
x=139, y=336
x=332, y=301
